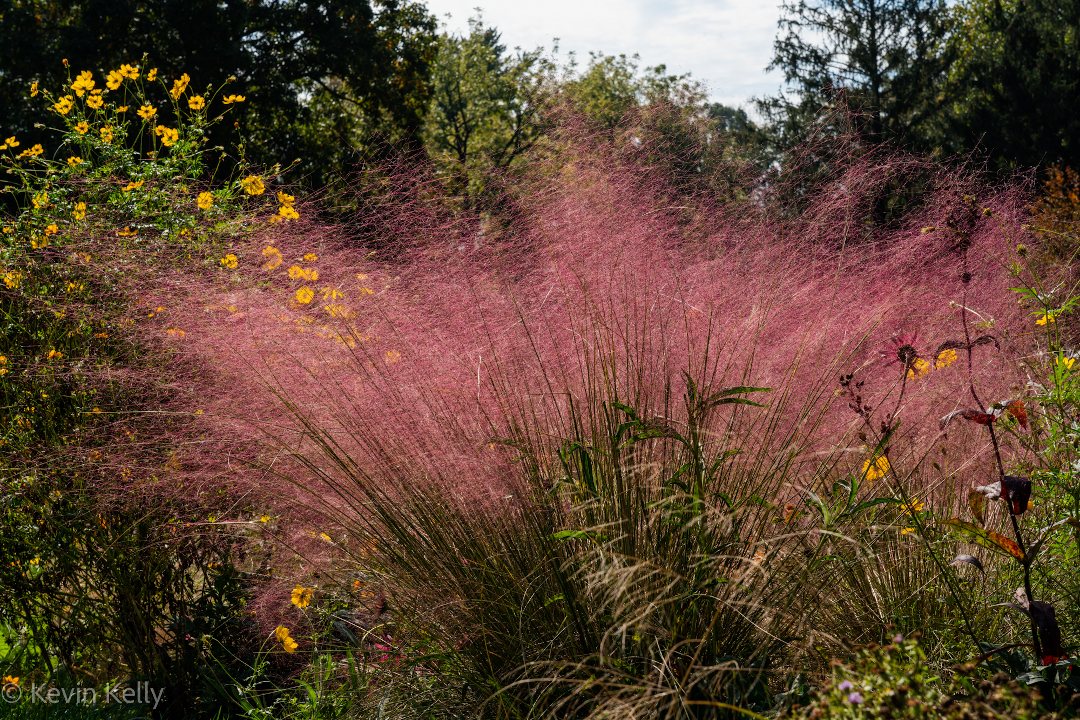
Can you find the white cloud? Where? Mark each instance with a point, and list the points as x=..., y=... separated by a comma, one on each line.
x=725, y=43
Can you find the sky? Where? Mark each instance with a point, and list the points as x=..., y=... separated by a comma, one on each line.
x=724, y=43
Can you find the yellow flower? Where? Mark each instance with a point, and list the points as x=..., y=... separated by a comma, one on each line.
x=80, y=211
x=311, y=257
x=196, y=102
x=301, y=596
x=106, y=135
x=94, y=102
x=1066, y=362
x=121, y=109
x=12, y=278
x=273, y=257
x=40, y=201
x=1048, y=317
x=152, y=75
x=82, y=127
x=134, y=185
x=73, y=161
x=332, y=293
x=114, y=80
x=282, y=635
x=285, y=199
x=126, y=232
x=253, y=185
x=169, y=137
x=919, y=368
x=83, y=83
x=264, y=519
x=11, y=142
x=945, y=358
x=907, y=530
x=9, y=680
x=147, y=111
x=287, y=212
x=230, y=99
x=205, y=200
x=876, y=468
x=54, y=354
x=179, y=86
x=33, y=151
x=63, y=105
x=33, y=89
x=131, y=72
x=51, y=229
x=392, y=356
x=175, y=332
x=912, y=507
x=229, y=261
x=366, y=291
x=304, y=295
x=337, y=311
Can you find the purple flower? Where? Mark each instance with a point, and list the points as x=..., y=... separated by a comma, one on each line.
x=898, y=639
x=846, y=685
x=854, y=698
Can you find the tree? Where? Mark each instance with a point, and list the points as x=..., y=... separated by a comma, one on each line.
x=484, y=103
x=1014, y=91
x=280, y=52
x=884, y=58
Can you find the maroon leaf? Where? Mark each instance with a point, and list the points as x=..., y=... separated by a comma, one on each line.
x=1049, y=632
x=972, y=415
x=1017, y=410
x=1016, y=490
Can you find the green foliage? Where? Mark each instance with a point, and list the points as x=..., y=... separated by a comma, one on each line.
x=366, y=59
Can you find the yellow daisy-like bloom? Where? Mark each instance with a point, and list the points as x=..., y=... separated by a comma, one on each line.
x=175, y=332
x=179, y=86
x=152, y=75
x=147, y=111
x=40, y=201
x=230, y=99
x=106, y=135
x=253, y=185
x=876, y=468
x=32, y=152
x=121, y=109
x=282, y=635
x=264, y=519
x=114, y=80
x=11, y=279
x=73, y=161
x=1067, y=362
x=134, y=185
x=131, y=72
x=80, y=211
x=11, y=142
x=33, y=89
x=230, y=261
x=1047, y=318
x=285, y=199
x=8, y=679
x=54, y=355
x=287, y=212
x=392, y=356
x=52, y=229
x=912, y=507
x=301, y=596
x=94, y=102
x=63, y=105
x=82, y=128
x=919, y=368
x=304, y=295
x=126, y=232
x=83, y=83
x=907, y=531
x=273, y=257
x=945, y=359
x=169, y=137
x=205, y=200
x=196, y=102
